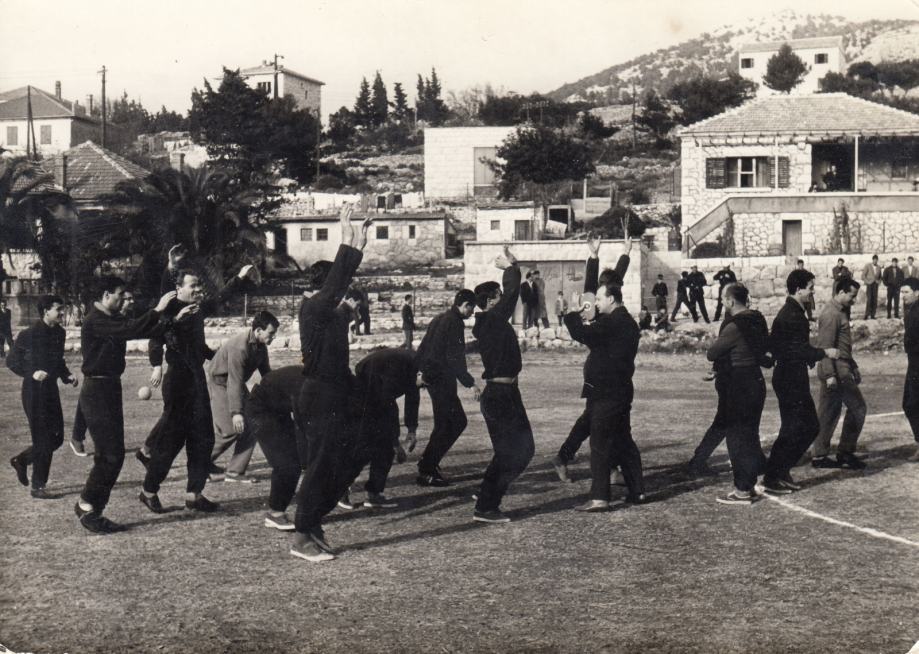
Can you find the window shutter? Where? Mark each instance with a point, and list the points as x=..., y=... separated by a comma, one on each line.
x=770, y=172
x=784, y=172
x=715, y=173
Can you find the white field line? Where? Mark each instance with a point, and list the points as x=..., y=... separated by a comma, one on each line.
x=875, y=533
x=884, y=415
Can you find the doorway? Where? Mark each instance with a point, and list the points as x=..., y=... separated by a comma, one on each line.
x=791, y=238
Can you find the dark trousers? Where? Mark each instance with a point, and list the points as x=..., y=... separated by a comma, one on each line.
x=408, y=343
x=717, y=431
x=580, y=432
x=829, y=407
x=276, y=434
x=6, y=338
x=911, y=397
x=363, y=318
x=660, y=302
x=42, y=404
x=512, y=439
x=871, y=300
x=101, y=407
x=79, y=425
x=379, y=428
x=720, y=306
x=744, y=402
x=697, y=300
x=799, y=419
x=449, y=423
x=682, y=300
x=611, y=445
x=893, y=300
x=186, y=422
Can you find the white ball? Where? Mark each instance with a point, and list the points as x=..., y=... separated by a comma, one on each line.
x=144, y=393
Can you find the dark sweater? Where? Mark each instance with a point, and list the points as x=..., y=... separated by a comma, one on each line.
x=613, y=342
x=277, y=392
x=789, y=340
x=323, y=331
x=723, y=277
x=441, y=355
x=386, y=375
x=184, y=340
x=39, y=347
x=103, y=338
x=6, y=322
x=497, y=337
x=742, y=341
x=911, y=334
x=659, y=290
x=408, y=317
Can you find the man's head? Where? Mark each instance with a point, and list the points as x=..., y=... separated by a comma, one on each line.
x=839, y=262
x=535, y=274
x=800, y=285
x=694, y=268
x=264, y=327
x=684, y=274
x=127, y=301
x=874, y=259
x=50, y=308
x=735, y=297
x=610, y=276
x=529, y=274
x=2, y=304
x=909, y=291
x=561, y=293
x=188, y=286
x=799, y=264
x=894, y=261
x=609, y=296
x=464, y=302
x=660, y=277
x=487, y=295
x=407, y=299
x=110, y=293
x=909, y=260
x=846, y=291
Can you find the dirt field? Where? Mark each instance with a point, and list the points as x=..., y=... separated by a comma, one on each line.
x=680, y=574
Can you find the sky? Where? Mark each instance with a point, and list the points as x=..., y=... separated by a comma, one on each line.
x=159, y=51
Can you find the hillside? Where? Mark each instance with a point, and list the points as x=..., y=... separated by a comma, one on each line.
x=715, y=53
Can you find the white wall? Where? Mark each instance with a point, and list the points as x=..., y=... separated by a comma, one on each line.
x=449, y=162
x=306, y=252
x=60, y=135
x=836, y=63
x=506, y=217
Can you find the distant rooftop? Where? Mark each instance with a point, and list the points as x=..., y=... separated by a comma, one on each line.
x=266, y=69
x=93, y=171
x=14, y=105
x=796, y=44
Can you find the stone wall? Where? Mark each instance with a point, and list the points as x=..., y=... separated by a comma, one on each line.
x=449, y=163
x=659, y=262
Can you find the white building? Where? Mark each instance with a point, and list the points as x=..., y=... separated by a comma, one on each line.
x=282, y=81
x=822, y=55
x=455, y=161
x=57, y=124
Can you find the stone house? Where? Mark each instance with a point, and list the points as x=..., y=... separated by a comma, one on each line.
x=282, y=81
x=816, y=174
x=822, y=55
x=455, y=158
x=57, y=124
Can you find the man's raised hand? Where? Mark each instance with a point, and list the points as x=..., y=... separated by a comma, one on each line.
x=509, y=255
x=189, y=310
x=344, y=217
x=365, y=226
x=164, y=302
x=626, y=239
x=593, y=244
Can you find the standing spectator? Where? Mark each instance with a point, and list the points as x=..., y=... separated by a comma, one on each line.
x=910, y=293
x=809, y=305
x=408, y=322
x=527, y=297
x=871, y=275
x=6, y=328
x=561, y=307
x=724, y=277
x=893, y=280
x=697, y=284
x=363, y=312
x=659, y=292
x=910, y=270
x=539, y=293
x=840, y=270
x=682, y=297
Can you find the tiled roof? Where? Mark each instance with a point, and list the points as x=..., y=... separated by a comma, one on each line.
x=14, y=105
x=93, y=171
x=796, y=44
x=830, y=114
x=264, y=70
x=294, y=212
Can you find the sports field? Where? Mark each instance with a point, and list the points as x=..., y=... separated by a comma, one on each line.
x=830, y=569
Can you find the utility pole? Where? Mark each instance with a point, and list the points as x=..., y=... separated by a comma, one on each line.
x=275, y=87
x=634, y=143
x=30, y=126
x=104, y=108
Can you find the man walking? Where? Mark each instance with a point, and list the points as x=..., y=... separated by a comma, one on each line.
x=37, y=356
x=408, y=323
x=871, y=275
x=442, y=361
x=793, y=355
x=682, y=297
x=893, y=278
x=6, y=328
x=697, y=283
x=232, y=366
x=502, y=407
x=839, y=380
x=810, y=305
x=910, y=293
x=724, y=277
x=715, y=434
x=659, y=293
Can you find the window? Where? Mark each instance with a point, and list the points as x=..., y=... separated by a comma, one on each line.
x=381, y=202
x=12, y=136
x=483, y=174
x=45, y=135
x=746, y=172
x=322, y=234
x=821, y=58
x=264, y=86
x=306, y=233
x=746, y=62
x=382, y=232
x=306, y=95
x=411, y=231
x=495, y=225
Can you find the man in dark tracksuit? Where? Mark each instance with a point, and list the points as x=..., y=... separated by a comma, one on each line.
x=715, y=434
x=322, y=407
x=502, y=407
x=103, y=337
x=793, y=355
x=909, y=292
x=187, y=420
x=742, y=342
x=38, y=357
x=6, y=328
x=724, y=277
x=529, y=300
x=697, y=283
x=682, y=298
x=408, y=323
x=613, y=343
x=441, y=359
x=659, y=293
x=593, y=279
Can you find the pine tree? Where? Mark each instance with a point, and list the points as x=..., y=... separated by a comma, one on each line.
x=399, y=104
x=421, y=95
x=379, y=102
x=363, y=109
x=784, y=70
x=436, y=108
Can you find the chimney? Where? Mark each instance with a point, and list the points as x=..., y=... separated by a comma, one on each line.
x=57, y=89
x=60, y=170
x=89, y=104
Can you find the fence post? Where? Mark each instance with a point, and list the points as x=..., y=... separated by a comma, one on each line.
x=245, y=307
